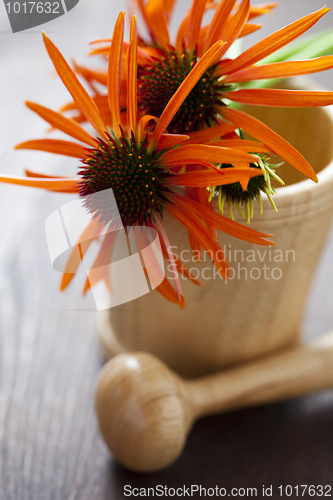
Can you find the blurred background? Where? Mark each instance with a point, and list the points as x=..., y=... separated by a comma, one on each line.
x=49, y=357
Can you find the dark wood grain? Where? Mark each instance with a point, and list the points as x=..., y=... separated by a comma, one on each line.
x=49, y=355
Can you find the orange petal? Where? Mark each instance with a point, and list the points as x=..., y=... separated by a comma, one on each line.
x=197, y=11
x=143, y=123
x=263, y=8
x=282, y=98
x=98, y=75
x=132, y=68
x=166, y=289
x=92, y=231
x=157, y=22
x=235, y=25
x=78, y=92
x=169, y=140
x=281, y=70
x=195, y=225
x=220, y=222
x=57, y=120
x=64, y=185
x=100, y=270
x=209, y=134
x=170, y=258
x=114, y=73
x=218, y=22
x=263, y=133
x=31, y=173
x=244, y=145
x=180, y=266
x=55, y=146
x=185, y=154
x=248, y=29
x=205, y=178
x=272, y=43
x=182, y=92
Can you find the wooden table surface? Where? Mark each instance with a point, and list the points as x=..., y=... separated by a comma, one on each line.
x=49, y=355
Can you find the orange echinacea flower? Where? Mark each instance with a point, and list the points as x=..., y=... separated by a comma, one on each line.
x=140, y=167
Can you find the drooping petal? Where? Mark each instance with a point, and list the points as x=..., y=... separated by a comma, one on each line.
x=63, y=185
x=281, y=98
x=171, y=258
x=272, y=43
x=220, y=222
x=167, y=290
x=55, y=146
x=101, y=268
x=78, y=92
x=97, y=75
x=144, y=120
x=60, y=122
x=185, y=154
x=114, y=73
x=205, y=178
x=132, y=68
x=195, y=225
x=263, y=133
x=182, y=92
x=219, y=20
x=92, y=231
x=181, y=268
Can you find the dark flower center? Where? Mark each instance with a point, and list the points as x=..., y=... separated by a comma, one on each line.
x=158, y=83
x=134, y=174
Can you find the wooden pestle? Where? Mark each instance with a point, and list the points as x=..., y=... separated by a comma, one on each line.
x=145, y=410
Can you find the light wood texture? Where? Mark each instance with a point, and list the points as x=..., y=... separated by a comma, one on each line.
x=145, y=410
x=260, y=308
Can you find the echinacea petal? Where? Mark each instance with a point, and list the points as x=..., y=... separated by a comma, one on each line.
x=187, y=154
x=100, y=270
x=78, y=92
x=263, y=133
x=92, y=231
x=182, y=92
x=235, y=25
x=244, y=145
x=220, y=222
x=60, y=122
x=170, y=258
x=132, y=68
x=263, y=8
x=114, y=73
x=55, y=146
x=281, y=70
x=181, y=268
x=281, y=98
x=249, y=28
x=197, y=11
x=169, y=140
x=195, y=226
x=209, y=134
x=157, y=22
x=204, y=178
x=272, y=43
x=219, y=20
x=63, y=185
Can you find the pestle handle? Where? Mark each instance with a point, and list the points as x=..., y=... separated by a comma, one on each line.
x=296, y=371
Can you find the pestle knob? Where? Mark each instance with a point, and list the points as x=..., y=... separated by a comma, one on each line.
x=145, y=410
